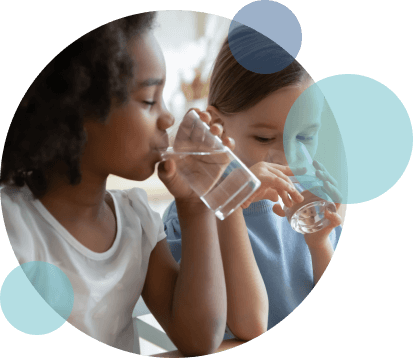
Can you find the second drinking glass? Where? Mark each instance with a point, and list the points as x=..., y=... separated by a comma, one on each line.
x=308, y=216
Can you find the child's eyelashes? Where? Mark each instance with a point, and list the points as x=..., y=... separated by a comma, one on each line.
x=269, y=140
x=264, y=140
x=150, y=103
x=304, y=138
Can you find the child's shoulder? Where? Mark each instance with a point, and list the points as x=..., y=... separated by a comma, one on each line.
x=131, y=196
x=134, y=199
x=13, y=196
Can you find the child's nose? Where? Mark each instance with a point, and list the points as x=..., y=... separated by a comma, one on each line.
x=166, y=120
x=290, y=151
x=276, y=155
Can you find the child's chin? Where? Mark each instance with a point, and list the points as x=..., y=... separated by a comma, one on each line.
x=138, y=173
x=144, y=174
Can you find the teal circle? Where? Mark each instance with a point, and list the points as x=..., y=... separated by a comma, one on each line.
x=310, y=124
x=365, y=140
x=37, y=297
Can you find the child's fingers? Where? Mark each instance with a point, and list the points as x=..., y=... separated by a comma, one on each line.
x=286, y=199
x=290, y=188
x=271, y=194
x=248, y=202
x=278, y=210
x=217, y=129
x=332, y=192
x=167, y=167
x=226, y=140
x=282, y=183
x=287, y=170
x=281, y=169
x=166, y=171
x=326, y=176
x=295, y=195
x=229, y=142
x=334, y=218
x=205, y=116
x=260, y=194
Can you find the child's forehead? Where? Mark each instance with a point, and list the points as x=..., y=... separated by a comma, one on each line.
x=148, y=59
x=141, y=84
x=282, y=106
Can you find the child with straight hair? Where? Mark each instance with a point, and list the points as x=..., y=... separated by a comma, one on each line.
x=95, y=110
x=253, y=108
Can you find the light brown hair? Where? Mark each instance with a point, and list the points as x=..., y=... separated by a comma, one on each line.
x=233, y=88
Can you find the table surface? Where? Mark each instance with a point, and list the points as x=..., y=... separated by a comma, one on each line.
x=227, y=344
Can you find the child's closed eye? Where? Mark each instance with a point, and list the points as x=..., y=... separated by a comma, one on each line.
x=266, y=140
x=263, y=139
x=150, y=103
x=305, y=138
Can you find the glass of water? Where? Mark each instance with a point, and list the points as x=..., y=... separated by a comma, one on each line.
x=308, y=216
x=211, y=169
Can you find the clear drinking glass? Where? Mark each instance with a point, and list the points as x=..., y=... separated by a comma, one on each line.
x=308, y=216
x=213, y=172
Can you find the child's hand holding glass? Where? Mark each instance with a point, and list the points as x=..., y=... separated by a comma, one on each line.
x=329, y=183
x=168, y=170
x=330, y=188
x=275, y=183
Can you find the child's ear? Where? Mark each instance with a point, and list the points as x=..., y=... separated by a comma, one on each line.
x=216, y=116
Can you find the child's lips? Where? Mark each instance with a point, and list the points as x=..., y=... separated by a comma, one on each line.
x=164, y=146
x=157, y=151
x=160, y=147
x=163, y=142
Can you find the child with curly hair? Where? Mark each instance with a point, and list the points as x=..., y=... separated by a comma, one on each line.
x=95, y=110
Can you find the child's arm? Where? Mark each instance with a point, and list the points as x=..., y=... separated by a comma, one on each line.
x=247, y=312
x=320, y=257
x=189, y=301
x=320, y=246
x=319, y=243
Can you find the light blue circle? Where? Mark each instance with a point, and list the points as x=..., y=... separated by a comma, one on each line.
x=270, y=25
x=311, y=133
x=365, y=140
x=37, y=297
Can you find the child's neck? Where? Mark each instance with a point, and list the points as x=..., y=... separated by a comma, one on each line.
x=84, y=199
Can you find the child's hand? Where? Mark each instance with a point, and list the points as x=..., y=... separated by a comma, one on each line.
x=330, y=188
x=321, y=236
x=274, y=183
x=329, y=183
x=176, y=184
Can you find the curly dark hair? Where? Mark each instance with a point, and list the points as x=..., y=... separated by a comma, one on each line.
x=80, y=82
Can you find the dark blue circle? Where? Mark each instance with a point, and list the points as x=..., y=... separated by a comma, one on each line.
x=265, y=37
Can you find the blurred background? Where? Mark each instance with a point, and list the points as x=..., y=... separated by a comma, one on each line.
x=190, y=42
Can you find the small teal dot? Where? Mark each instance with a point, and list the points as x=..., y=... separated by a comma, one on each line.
x=37, y=298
